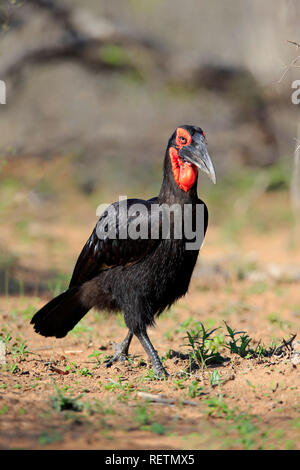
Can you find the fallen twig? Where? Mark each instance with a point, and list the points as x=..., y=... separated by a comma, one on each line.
x=164, y=400
x=59, y=371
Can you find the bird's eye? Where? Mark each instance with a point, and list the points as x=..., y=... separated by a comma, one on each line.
x=182, y=139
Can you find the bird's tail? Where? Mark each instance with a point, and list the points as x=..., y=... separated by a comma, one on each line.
x=60, y=315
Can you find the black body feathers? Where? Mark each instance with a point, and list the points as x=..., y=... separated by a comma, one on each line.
x=139, y=276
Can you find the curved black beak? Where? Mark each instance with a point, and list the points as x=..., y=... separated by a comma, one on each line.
x=197, y=154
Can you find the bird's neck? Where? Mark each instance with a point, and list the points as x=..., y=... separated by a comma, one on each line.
x=170, y=192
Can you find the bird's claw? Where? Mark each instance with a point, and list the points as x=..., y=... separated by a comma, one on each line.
x=121, y=355
x=160, y=371
x=162, y=374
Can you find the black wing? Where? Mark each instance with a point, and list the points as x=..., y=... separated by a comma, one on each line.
x=109, y=244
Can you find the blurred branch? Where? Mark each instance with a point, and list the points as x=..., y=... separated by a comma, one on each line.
x=60, y=49
x=82, y=33
x=294, y=43
x=82, y=24
x=293, y=62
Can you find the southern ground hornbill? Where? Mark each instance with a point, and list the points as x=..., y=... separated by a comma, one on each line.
x=132, y=262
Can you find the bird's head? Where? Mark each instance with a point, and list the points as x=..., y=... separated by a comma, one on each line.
x=188, y=152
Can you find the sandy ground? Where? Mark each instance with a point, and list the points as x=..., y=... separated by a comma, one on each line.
x=259, y=396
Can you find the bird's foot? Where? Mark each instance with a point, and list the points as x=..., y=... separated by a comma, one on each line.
x=121, y=355
x=160, y=371
x=158, y=368
x=121, y=351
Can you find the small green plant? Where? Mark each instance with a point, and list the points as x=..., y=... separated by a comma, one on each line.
x=12, y=368
x=5, y=337
x=158, y=428
x=261, y=351
x=96, y=354
x=217, y=342
x=20, y=350
x=61, y=402
x=71, y=367
x=217, y=407
x=194, y=390
x=113, y=385
x=243, y=423
x=238, y=345
x=200, y=344
x=142, y=415
x=144, y=419
x=86, y=372
x=101, y=408
x=240, y=422
x=189, y=322
x=3, y=410
x=48, y=438
x=215, y=378
x=180, y=383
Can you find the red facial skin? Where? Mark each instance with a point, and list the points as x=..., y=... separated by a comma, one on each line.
x=184, y=173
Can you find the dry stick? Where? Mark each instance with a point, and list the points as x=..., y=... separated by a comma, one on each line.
x=164, y=400
x=2, y=353
x=294, y=42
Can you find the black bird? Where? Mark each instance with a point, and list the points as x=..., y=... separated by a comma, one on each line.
x=140, y=256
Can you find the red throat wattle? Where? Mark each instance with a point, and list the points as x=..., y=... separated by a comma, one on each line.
x=184, y=173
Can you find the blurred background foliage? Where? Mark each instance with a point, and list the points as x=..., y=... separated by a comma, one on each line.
x=94, y=90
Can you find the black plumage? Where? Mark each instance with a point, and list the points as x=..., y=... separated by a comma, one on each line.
x=139, y=276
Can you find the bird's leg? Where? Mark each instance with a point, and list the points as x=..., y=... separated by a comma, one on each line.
x=153, y=356
x=121, y=350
